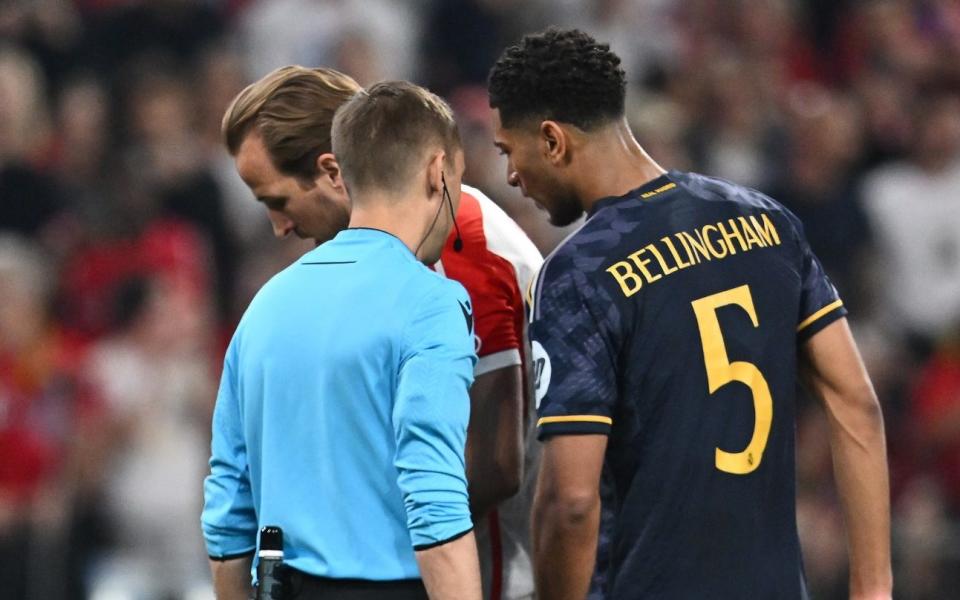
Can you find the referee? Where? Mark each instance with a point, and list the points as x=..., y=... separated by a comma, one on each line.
x=343, y=406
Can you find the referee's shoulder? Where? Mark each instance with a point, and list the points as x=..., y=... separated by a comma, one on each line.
x=419, y=284
x=277, y=284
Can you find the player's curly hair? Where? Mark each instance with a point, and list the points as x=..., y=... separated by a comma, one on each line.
x=558, y=74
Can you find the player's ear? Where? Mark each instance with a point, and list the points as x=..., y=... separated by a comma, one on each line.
x=328, y=171
x=554, y=141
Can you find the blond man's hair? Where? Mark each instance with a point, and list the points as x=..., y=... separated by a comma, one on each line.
x=382, y=134
x=292, y=109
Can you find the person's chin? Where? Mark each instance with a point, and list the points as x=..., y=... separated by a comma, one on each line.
x=320, y=236
x=564, y=218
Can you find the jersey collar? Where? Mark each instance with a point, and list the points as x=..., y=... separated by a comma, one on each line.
x=647, y=190
x=372, y=234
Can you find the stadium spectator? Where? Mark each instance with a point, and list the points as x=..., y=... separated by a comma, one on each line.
x=30, y=200
x=164, y=153
x=48, y=430
x=154, y=375
x=817, y=185
x=919, y=287
x=321, y=32
x=936, y=407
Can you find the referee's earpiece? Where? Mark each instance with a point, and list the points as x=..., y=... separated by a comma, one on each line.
x=457, y=241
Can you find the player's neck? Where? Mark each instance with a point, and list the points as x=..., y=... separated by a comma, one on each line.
x=394, y=216
x=613, y=164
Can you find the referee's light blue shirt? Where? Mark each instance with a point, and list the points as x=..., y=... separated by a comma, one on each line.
x=342, y=413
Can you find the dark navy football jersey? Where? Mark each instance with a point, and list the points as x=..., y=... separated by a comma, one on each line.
x=670, y=321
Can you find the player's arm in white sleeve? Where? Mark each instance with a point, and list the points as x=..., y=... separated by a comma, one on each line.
x=497, y=276
x=835, y=374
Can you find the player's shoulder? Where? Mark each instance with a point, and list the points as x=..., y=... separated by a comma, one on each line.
x=425, y=286
x=492, y=230
x=589, y=245
x=566, y=270
x=496, y=253
x=717, y=189
x=746, y=200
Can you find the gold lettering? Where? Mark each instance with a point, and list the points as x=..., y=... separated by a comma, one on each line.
x=686, y=247
x=715, y=240
x=663, y=264
x=752, y=238
x=642, y=265
x=699, y=247
x=734, y=233
x=710, y=246
x=676, y=255
x=629, y=282
x=767, y=231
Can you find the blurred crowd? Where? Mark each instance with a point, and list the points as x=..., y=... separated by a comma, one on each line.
x=129, y=248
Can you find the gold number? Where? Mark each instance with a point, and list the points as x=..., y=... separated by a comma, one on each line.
x=720, y=371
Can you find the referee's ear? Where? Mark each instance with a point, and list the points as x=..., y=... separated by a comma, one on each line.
x=328, y=172
x=435, y=177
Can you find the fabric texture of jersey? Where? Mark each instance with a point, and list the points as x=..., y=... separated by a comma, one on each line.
x=670, y=322
x=496, y=265
x=342, y=413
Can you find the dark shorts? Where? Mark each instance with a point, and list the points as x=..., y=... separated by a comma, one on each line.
x=301, y=586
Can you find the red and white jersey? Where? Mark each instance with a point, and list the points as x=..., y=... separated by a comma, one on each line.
x=496, y=265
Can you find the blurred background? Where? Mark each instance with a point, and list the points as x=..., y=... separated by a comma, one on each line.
x=129, y=248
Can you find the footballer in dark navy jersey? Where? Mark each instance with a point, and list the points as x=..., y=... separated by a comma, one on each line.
x=671, y=313
x=667, y=335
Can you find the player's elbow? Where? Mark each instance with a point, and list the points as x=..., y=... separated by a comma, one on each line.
x=495, y=473
x=508, y=471
x=493, y=484
x=568, y=508
x=863, y=402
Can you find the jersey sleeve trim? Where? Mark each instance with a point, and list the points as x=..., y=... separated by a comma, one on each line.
x=575, y=419
x=497, y=360
x=836, y=304
x=573, y=425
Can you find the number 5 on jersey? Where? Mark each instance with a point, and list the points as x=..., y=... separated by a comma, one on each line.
x=720, y=372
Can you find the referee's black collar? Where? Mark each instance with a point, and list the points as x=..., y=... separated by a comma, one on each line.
x=648, y=189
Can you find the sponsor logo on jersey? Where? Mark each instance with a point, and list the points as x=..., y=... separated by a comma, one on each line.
x=541, y=371
x=467, y=315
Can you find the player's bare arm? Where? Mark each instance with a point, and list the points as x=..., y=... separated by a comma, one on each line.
x=450, y=570
x=494, y=451
x=566, y=515
x=231, y=578
x=835, y=374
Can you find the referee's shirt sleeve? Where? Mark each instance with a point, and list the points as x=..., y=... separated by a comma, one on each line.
x=573, y=353
x=430, y=415
x=229, y=520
